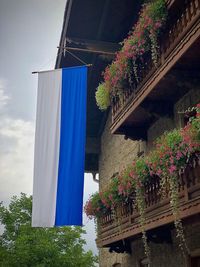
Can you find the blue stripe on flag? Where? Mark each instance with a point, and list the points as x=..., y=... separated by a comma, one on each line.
x=72, y=147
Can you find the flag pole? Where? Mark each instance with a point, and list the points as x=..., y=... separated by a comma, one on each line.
x=87, y=65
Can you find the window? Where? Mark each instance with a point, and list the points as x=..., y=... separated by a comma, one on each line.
x=117, y=265
x=188, y=115
x=195, y=262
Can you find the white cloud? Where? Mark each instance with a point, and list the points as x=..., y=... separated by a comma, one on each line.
x=16, y=152
x=3, y=98
x=16, y=157
x=89, y=188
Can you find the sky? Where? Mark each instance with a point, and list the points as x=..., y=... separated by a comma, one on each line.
x=30, y=31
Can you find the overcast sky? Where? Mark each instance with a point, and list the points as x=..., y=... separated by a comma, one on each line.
x=30, y=32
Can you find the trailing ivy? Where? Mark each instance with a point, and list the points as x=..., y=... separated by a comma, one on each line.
x=141, y=209
x=175, y=209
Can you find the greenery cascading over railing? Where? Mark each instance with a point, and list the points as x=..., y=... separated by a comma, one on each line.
x=141, y=43
x=172, y=153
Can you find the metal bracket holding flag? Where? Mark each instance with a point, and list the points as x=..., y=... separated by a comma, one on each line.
x=60, y=147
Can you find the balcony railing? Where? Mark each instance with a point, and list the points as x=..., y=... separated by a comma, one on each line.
x=180, y=33
x=125, y=222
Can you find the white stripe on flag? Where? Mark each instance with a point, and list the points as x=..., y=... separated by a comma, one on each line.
x=46, y=153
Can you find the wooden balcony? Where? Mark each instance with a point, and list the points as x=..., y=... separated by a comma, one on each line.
x=179, y=48
x=158, y=211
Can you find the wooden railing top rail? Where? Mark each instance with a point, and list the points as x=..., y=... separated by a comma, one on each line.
x=169, y=3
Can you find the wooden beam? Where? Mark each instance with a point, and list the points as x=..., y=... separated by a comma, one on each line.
x=94, y=44
x=88, y=50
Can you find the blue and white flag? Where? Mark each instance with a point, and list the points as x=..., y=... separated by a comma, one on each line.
x=60, y=147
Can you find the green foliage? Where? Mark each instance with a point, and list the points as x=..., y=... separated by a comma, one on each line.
x=157, y=10
x=195, y=122
x=141, y=169
x=22, y=246
x=102, y=97
x=141, y=209
x=171, y=139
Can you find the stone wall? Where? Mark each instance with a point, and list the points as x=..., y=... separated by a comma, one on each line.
x=166, y=123
x=116, y=153
x=159, y=127
x=111, y=259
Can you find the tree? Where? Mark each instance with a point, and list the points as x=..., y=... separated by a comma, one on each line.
x=24, y=246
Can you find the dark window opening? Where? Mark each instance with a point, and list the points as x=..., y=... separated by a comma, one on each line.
x=195, y=262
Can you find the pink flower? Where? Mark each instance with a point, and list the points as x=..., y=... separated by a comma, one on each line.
x=172, y=169
x=198, y=105
x=132, y=174
x=178, y=155
x=159, y=172
x=128, y=185
x=120, y=189
x=158, y=24
x=151, y=173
